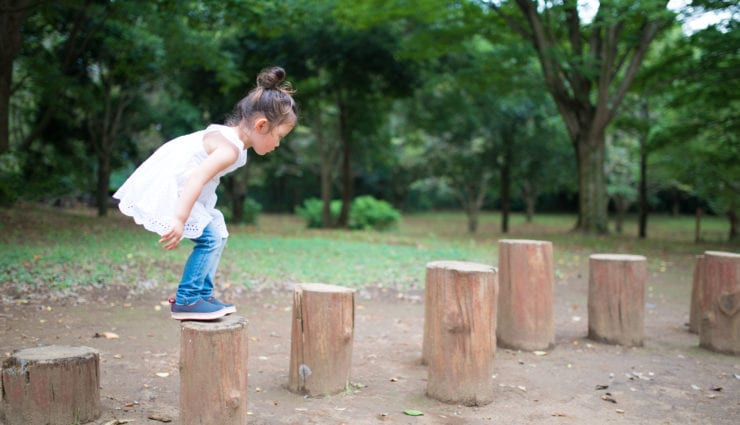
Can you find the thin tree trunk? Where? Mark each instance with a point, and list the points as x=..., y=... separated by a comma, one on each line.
x=506, y=188
x=697, y=227
x=13, y=14
x=343, y=220
x=643, y=201
x=732, y=216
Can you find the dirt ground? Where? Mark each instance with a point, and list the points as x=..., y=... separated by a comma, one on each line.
x=668, y=381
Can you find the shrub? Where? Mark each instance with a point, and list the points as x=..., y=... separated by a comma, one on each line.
x=252, y=209
x=367, y=212
x=311, y=211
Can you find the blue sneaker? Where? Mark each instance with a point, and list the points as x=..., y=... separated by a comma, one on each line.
x=230, y=308
x=199, y=310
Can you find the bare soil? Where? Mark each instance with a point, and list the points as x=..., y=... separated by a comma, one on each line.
x=670, y=380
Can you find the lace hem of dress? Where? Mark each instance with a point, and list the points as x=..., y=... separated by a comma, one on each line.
x=192, y=229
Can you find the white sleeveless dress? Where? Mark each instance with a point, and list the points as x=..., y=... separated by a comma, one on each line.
x=151, y=193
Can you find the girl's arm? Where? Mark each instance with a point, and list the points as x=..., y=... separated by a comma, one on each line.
x=221, y=154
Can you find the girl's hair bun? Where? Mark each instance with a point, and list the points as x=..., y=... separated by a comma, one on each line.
x=273, y=79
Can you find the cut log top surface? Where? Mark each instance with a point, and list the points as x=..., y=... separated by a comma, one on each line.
x=463, y=266
x=226, y=323
x=617, y=257
x=523, y=242
x=322, y=287
x=53, y=352
x=723, y=254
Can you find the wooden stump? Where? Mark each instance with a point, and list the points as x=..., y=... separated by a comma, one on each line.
x=213, y=371
x=719, y=328
x=525, y=306
x=321, y=339
x=616, y=298
x=696, y=288
x=460, y=331
x=53, y=385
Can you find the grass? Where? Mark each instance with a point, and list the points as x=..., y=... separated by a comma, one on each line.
x=44, y=248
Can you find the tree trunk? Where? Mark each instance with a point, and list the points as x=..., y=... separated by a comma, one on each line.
x=321, y=339
x=51, y=385
x=592, y=198
x=213, y=371
x=525, y=308
x=732, y=216
x=642, y=186
x=344, y=136
x=530, y=199
x=506, y=187
x=102, y=196
x=13, y=14
x=460, y=331
x=697, y=226
x=616, y=298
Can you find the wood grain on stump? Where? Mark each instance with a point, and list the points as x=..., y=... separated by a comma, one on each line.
x=616, y=298
x=52, y=385
x=460, y=331
x=213, y=371
x=525, y=307
x=719, y=329
x=321, y=339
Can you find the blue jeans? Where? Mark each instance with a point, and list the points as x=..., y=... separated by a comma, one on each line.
x=200, y=269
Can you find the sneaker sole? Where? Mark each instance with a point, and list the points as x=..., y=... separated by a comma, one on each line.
x=200, y=316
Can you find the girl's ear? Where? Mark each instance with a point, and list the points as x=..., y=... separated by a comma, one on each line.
x=260, y=124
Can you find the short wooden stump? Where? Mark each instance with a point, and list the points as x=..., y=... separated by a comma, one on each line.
x=52, y=385
x=525, y=306
x=460, y=331
x=213, y=371
x=322, y=333
x=697, y=287
x=719, y=328
x=616, y=298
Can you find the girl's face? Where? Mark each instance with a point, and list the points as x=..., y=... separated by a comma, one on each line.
x=264, y=139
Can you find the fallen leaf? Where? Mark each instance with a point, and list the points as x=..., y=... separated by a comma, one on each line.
x=559, y=414
x=118, y=421
x=620, y=411
x=608, y=397
x=715, y=388
x=163, y=374
x=412, y=412
x=160, y=417
x=540, y=353
x=601, y=387
x=695, y=387
x=106, y=335
x=394, y=379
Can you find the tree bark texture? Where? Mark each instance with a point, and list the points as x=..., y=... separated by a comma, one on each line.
x=720, y=300
x=321, y=339
x=696, y=289
x=52, y=385
x=525, y=306
x=213, y=372
x=616, y=298
x=460, y=331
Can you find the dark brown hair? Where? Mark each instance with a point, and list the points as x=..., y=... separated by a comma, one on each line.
x=272, y=97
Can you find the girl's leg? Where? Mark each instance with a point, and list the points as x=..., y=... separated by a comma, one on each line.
x=206, y=252
x=207, y=290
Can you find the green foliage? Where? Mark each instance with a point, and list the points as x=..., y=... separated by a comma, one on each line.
x=251, y=210
x=311, y=212
x=367, y=213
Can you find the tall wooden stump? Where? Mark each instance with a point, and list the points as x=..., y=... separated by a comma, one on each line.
x=696, y=288
x=525, y=307
x=720, y=300
x=53, y=385
x=213, y=372
x=321, y=339
x=616, y=298
x=460, y=331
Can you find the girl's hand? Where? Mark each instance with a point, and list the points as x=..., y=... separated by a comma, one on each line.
x=171, y=239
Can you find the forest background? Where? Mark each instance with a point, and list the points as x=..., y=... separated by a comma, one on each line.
x=591, y=108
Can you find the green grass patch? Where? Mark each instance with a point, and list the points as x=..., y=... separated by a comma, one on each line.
x=45, y=248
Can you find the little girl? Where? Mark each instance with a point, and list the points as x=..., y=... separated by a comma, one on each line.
x=173, y=193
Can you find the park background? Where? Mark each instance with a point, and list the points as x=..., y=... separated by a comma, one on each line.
x=428, y=130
